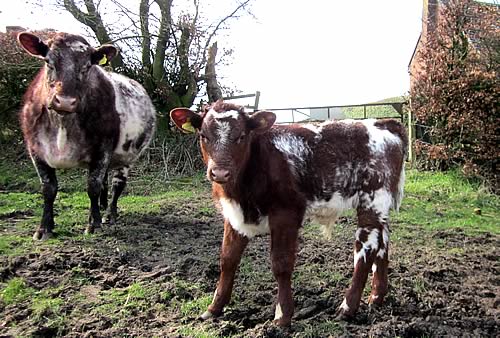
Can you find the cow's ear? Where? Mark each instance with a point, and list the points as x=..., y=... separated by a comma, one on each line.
x=186, y=120
x=33, y=44
x=261, y=121
x=104, y=54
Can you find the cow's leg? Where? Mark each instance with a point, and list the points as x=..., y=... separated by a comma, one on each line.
x=118, y=185
x=233, y=246
x=103, y=197
x=97, y=172
x=49, y=191
x=284, y=232
x=380, y=269
x=369, y=240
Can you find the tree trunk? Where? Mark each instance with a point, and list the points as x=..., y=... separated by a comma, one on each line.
x=93, y=20
x=214, y=91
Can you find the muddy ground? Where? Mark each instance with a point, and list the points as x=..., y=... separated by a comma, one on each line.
x=442, y=283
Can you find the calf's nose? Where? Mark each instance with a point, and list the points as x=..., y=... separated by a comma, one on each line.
x=219, y=175
x=64, y=103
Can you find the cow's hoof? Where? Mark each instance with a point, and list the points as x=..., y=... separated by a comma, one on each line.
x=109, y=220
x=282, y=322
x=40, y=235
x=207, y=315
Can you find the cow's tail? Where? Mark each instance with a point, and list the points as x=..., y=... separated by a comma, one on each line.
x=399, y=193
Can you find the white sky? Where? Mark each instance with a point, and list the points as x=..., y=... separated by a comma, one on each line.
x=300, y=53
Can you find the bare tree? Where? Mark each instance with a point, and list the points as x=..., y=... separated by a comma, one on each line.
x=174, y=56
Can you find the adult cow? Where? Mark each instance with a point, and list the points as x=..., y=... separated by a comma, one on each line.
x=267, y=178
x=76, y=114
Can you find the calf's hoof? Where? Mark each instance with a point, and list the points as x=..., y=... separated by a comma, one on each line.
x=283, y=322
x=207, y=315
x=41, y=235
x=344, y=312
x=375, y=301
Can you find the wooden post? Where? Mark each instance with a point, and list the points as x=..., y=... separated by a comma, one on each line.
x=411, y=137
x=364, y=112
x=257, y=97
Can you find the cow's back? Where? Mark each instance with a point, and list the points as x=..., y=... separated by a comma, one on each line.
x=337, y=163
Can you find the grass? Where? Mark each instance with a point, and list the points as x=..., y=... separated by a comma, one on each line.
x=15, y=291
x=439, y=201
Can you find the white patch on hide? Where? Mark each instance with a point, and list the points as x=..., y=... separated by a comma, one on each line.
x=223, y=115
x=344, y=306
x=223, y=133
x=378, y=138
x=294, y=148
x=278, y=313
x=77, y=46
x=234, y=214
x=135, y=111
x=326, y=213
x=370, y=244
x=62, y=138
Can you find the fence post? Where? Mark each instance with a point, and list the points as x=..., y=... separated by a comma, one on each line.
x=411, y=137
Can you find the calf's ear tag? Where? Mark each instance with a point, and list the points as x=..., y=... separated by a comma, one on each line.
x=103, y=61
x=187, y=126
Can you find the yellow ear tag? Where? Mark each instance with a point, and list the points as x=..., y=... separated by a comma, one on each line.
x=188, y=127
x=103, y=60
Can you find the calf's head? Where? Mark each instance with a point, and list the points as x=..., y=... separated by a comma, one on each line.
x=226, y=134
x=68, y=61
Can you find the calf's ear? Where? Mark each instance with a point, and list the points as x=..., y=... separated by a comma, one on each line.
x=186, y=120
x=104, y=54
x=33, y=44
x=261, y=121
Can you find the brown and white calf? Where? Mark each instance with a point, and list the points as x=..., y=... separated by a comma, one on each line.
x=76, y=114
x=267, y=178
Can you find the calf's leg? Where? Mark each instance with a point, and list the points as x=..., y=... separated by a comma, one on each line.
x=380, y=269
x=284, y=233
x=233, y=246
x=97, y=172
x=118, y=185
x=370, y=252
x=48, y=179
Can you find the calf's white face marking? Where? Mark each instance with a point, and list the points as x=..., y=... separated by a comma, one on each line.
x=234, y=214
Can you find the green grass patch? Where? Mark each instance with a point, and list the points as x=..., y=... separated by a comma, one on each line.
x=440, y=201
x=16, y=290
x=197, y=332
x=327, y=328
x=197, y=306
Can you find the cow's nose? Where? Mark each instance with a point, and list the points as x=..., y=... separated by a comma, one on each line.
x=64, y=103
x=219, y=175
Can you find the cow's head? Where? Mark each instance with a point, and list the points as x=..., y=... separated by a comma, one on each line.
x=226, y=133
x=69, y=59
